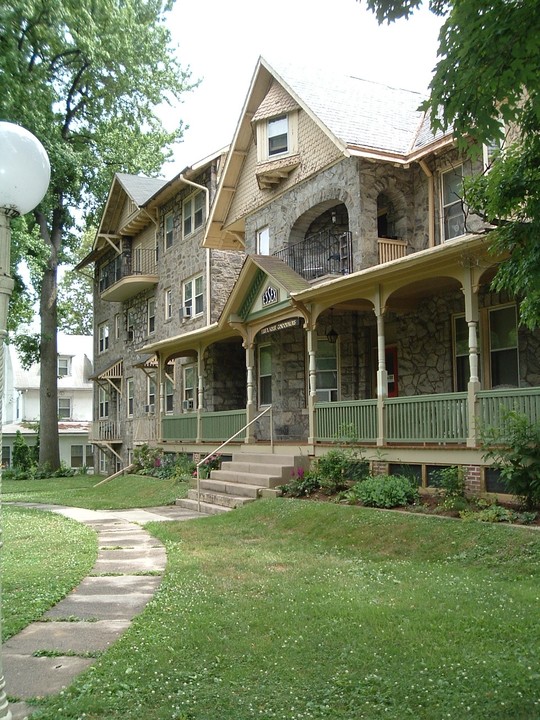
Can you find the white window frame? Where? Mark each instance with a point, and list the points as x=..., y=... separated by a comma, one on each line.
x=130, y=324
x=168, y=229
x=263, y=241
x=168, y=394
x=117, y=326
x=190, y=387
x=68, y=405
x=451, y=206
x=193, y=294
x=326, y=394
x=194, y=211
x=151, y=393
x=103, y=338
x=103, y=403
x=264, y=127
x=151, y=315
x=102, y=462
x=266, y=376
x=168, y=303
x=64, y=363
x=130, y=397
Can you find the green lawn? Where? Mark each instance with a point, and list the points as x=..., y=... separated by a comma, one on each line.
x=44, y=557
x=127, y=491
x=293, y=610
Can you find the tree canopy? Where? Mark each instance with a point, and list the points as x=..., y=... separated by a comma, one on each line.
x=486, y=86
x=86, y=77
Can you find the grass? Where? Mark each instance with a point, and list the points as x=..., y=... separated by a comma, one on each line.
x=127, y=491
x=295, y=610
x=43, y=558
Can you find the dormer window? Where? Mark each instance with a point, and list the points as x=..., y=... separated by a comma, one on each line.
x=278, y=132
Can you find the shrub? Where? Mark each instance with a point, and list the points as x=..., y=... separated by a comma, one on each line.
x=338, y=469
x=301, y=484
x=450, y=482
x=385, y=491
x=514, y=449
x=22, y=459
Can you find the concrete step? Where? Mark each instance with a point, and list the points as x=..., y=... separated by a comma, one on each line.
x=229, y=488
x=263, y=458
x=247, y=478
x=274, y=470
x=217, y=498
x=207, y=508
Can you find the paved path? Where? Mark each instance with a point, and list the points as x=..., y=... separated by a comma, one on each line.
x=110, y=602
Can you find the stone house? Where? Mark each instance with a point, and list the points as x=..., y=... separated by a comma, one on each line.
x=362, y=308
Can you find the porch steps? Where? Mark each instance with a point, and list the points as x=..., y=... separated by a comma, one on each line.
x=242, y=480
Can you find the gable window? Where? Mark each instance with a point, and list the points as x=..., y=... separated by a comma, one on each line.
x=103, y=403
x=265, y=375
x=503, y=347
x=103, y=337
x=190, y=387
x=326, y=366
x=168, y=304
x=263, y=241
x=278, y=133
x=169, y=230
x=130, y=394
x=193, y=213
x=64, y=366
x=151, y=315
x=64, y=408
x=453, y=214
x=193, y=296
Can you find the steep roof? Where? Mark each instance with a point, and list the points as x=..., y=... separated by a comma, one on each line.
x=140, y=187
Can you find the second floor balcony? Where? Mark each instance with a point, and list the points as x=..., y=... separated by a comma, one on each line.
x=325, y=253
x=128, y=274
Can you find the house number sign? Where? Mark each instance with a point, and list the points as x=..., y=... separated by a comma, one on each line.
x=270, y=296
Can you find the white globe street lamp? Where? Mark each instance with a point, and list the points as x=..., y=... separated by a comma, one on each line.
x=25, y=173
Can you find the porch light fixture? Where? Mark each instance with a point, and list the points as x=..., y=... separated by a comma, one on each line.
x=25, y=173
x=332, y=335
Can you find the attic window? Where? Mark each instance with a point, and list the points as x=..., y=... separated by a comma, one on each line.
x=278, y=130
x=277, y=137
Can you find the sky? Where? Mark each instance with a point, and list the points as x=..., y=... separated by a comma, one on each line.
x=221, y=41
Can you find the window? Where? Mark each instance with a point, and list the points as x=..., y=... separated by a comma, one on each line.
x=193, y=213
x=130, y=395
x=102, y=459
x=326, y=371
x=151, y=393
x=190, y=387
x=278, y=131
x=64, y=366
x=6, y=456
x=453, y=215
x=130, y=324
x=103, y=403
x=169, y=230
x=103, y=337
x=151, y=315
x=503, y=347
x=193, y=295
x=169, y=394
x=265, y=375
x=64, y=408
x=263, y=241
x=77, y=456
x=461, y=353
x=168, y=304
x=117, y=326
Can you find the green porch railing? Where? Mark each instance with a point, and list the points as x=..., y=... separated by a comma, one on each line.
x=494, y=403
x=427, y=418
x=179, y=427
x=356, y=418
x=221, y=425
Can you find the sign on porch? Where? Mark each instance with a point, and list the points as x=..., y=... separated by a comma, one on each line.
x=283, y=325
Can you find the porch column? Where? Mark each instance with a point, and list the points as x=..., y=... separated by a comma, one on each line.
x=382, y=374
x=200, y=393
x=312, y=355
x=470, y=291
x=250, y=407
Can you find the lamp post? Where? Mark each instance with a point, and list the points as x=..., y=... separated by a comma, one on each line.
x=24, y=178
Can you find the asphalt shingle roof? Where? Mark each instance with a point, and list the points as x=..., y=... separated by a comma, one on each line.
x=140, y=188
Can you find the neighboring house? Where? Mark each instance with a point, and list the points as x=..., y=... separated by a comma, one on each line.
x=75, y=390
x=363, y=306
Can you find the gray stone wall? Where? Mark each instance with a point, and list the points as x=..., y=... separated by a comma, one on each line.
x=225, y=377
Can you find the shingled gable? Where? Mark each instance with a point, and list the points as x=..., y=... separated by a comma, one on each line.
x=135, y=188
x=360, y=117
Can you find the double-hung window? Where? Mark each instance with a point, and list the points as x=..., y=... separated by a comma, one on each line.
x=503, y=347
x=265, y=375
x=64, y=366
x=130, y=394
x=278, y=135
x=453, y=214
x=168, y=304
x=193, y=296
x=103, y=337
x=130, y=324
x=190, y=387
x=169, y=230
x=151, y=315
x=461, y=353
x=194, y=213
x=169, y=394
x=326, y=367
x=263, y=241
x=103, y=401
x=151, y=393
x=64, y=408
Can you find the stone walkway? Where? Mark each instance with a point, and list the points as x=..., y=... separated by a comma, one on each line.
x=110, y=602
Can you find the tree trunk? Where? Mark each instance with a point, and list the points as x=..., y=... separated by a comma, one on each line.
x=49, y=446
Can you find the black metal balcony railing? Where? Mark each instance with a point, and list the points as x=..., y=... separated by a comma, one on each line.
x=325, y=253
x=137, y=262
